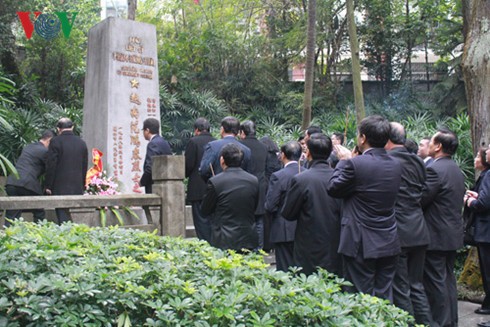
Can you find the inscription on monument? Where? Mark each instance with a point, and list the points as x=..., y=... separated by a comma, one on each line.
x=121, y=92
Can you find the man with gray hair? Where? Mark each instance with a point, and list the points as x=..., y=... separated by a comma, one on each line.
x=66, y=165
x=408, y=288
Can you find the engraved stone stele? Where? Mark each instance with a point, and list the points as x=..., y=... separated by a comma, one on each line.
x=121, y=91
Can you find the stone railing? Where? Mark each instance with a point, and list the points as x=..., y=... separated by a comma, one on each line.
x=164, y=209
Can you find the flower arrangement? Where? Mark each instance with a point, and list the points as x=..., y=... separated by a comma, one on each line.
x=101, y=184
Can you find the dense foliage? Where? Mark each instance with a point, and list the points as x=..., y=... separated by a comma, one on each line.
x=74, y=275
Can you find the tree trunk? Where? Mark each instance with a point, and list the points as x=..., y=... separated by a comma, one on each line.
x=132, y=4
x=356, y=66
x=476, y=68
x=310, y=64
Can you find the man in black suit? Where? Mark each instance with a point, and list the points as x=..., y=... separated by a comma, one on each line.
x=231, y=198
x=66, y=166
x=210, y=162
x=408, y=288
x=318, y=215
x=156, y=147
x=30, y=166
x=442, y=201
x=368, y=184
x=196, y=186
x=257, y=165
x=282, y=231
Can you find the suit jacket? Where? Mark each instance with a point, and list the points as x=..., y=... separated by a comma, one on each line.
x=368, y=184
x=410, y=220
x=318, y=215
x=231, y=198
x=212, y=154
x=442, y=202
x=30, y=166
x=156, y=147
x=196, y=187
x=282, y=230
x=66, y=166
x=481, y=207
x=257, y=166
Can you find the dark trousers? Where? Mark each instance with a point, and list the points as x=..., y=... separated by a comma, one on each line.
x=284, y=255
x=202, y=224
x=63, y=215
x=440, y=287
x=408, y=287
x=13, y=190
x=371, y=276
x=268, y=245
x=259, y=223
x=484, y=259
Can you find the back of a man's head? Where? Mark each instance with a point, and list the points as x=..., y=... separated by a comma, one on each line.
x=47, y=135
x=202, y=125
x=292, y=150
x=447, y=139
x=230, y=125
x=397, y=133
x=64, y=123
x=248, y=127
x=312, y=130
x=319, y=146
x=376, y=130
x=152, y=124
x=232, y=155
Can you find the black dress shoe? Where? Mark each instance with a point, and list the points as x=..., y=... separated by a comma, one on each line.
x=483, y=311
x=484, y=324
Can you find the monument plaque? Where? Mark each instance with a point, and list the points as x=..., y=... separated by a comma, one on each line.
x=121, y=91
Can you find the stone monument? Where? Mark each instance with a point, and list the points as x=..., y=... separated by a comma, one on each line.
x=121, y=91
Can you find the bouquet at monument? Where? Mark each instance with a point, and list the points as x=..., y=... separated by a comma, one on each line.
x=101, y=184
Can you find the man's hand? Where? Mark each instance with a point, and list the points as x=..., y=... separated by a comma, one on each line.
x=48, y=191
x=342, y=152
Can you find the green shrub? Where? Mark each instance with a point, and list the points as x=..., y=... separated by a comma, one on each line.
x=74, y=275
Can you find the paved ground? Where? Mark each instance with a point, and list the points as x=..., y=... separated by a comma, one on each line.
x=467, y=317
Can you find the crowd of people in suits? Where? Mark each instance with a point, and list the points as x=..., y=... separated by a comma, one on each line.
x=386, y=216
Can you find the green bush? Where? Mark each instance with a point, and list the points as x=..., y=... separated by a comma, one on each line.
x=74, y=275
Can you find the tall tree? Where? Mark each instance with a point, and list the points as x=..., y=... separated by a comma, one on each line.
x=356, y=66
x=476, y=68
x=310, y=63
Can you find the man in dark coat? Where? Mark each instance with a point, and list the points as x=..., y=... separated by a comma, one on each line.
x=210, y=163
x=196, y=186
x=442, y=201
x=231, y=198
x=156, y=147
x=282, y=231
x=66, y=166
x=30, y=166
x=318, y=215
x=368, y=185
x=408, y=288
x=257, y=166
